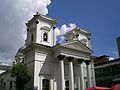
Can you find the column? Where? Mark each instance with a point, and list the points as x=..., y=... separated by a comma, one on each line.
x=93, y=75
x=61, y=68
x=88, y=72
x=71, y=77
x=55, y=85
x=81, y=74
x=40, y=86
x=51, y=84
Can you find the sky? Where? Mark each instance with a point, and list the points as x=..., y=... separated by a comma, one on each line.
x=100, y=17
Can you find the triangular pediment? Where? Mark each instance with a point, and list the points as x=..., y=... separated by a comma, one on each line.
x=77, y=45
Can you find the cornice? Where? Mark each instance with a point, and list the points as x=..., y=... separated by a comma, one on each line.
x=38, y=17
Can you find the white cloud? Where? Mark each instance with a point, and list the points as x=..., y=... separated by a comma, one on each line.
x=57, y=31
x=115, y=53
x=111, y=58
x=60, y=39
x=72, y=26
x=13, y=16
x=63, y=29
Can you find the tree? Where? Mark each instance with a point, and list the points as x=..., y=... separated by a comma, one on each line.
x=21, y=74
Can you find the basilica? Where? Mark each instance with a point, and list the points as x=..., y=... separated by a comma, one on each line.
x=62, y=66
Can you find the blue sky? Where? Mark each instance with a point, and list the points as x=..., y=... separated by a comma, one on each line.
x=100, y=17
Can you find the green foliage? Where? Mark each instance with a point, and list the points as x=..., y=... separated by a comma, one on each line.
x=21, y=74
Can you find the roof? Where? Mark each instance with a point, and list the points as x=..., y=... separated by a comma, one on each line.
x=101, y=57
x=108, y=62
x=77, y=46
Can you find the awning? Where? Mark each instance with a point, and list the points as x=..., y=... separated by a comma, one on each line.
x=97, y=88
x=115, y=87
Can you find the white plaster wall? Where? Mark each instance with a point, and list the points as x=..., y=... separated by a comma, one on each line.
x=37, y=68
x=44, y=68
x=40, y=57
x=29, y=57
x=32, y=29
x=40, y=32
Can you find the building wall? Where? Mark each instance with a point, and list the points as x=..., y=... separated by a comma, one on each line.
x=3, y=67
x=5, y=80
x=47, y=67
x=108, y=73
x=118, y=45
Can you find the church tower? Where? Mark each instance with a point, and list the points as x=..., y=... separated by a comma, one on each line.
x=40, y=29
x=40, y=38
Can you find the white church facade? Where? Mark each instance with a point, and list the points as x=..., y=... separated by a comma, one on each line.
x=64, y=66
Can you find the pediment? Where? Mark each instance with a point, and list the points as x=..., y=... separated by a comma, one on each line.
x=77, y=45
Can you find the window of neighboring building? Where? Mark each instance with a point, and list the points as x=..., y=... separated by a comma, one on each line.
x=45, y=84
x=11, y=84
x=45, y=37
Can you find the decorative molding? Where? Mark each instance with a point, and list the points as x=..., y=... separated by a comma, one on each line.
x=80, y=60
x=87, y=62
x=70, y=59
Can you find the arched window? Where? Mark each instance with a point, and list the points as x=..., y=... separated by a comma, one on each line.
x=45, y=37
x=45, y=84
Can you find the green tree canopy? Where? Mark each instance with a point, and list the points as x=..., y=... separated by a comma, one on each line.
x=21, y=74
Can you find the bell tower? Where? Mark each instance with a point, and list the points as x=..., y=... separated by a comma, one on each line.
x=40, y=29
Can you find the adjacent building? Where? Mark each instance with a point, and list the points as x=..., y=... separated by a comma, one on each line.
x=107, y=73
x=6, y=83
x=4, y=67
x=118, y=45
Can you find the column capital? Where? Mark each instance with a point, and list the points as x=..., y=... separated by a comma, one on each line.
x=87, y=62
x=70, y=59
x=80, y=60
x=61, y=57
